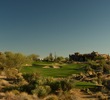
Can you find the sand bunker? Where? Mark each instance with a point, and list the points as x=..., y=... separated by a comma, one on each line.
x=46, y=67
x=52, y=67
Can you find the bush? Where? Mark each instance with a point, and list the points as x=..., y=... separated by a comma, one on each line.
x=30, y=77
x=42, y=91
x=67, y=84
x=68, y=96
x=55, y=86
x=51, y=97
x=64, y=85
x=101, y=96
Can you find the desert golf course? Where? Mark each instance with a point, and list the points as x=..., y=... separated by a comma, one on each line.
x=53, y=69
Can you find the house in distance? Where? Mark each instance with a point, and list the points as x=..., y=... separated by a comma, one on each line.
x=90, y=56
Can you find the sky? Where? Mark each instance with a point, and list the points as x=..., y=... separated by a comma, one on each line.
x=61, y=27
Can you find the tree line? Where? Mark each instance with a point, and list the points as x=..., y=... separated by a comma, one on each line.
x=10, y=59
x=17, y=60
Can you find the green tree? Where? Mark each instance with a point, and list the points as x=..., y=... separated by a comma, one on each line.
x=2, y=61
x=19, y=60
x=66, y=59
x=60, y=59
x=49, y=58
x=33, y=57
x=9, y=59
x=16, y=60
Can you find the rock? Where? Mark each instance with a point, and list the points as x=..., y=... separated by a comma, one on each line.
x=2, y=95
x=4, y=83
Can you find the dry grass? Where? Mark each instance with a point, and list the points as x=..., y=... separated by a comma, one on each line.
x=4, y=83
x=101, y=96
x=17, y=96
x=51, y=97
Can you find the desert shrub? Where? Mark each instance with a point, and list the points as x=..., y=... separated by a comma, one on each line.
x=56, y=85
x=4, y=83
x=41, y=91
x=51, y=97
x=42, y=86
x=49, y=80
x=68, y=96
x=106, y=83
x=9, y=96
x=11, y=73
x=17, y=96
x=101, y=96
x=34, y=82
x=67, y=84
x=26, y=88
x=64, y=85
x=87, y=68
x=31, y=77
x=9, y=88
x=24, y=96
x=44, y=81
x=21, y=96
x=16, y=92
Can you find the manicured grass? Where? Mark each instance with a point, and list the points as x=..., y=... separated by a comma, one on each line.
x=85, y=85
x=66, y=70
x=42, y=63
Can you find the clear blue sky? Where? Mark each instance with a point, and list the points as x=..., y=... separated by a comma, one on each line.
x=61, y=26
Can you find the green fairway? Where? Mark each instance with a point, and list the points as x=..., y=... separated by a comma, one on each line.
x=64, y=71
x=85, y=85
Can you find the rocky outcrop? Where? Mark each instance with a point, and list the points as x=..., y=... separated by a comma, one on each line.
x=83, y=57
